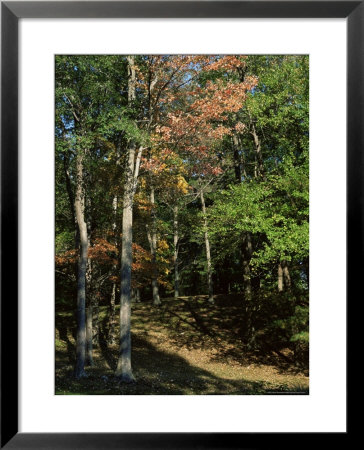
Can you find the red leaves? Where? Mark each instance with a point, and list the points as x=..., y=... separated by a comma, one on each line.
x=200, y=119
x=103, y=252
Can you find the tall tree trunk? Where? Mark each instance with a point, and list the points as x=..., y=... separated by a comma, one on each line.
x=95, y=316
x=175, y=251
x=135, y=295
x=258, y=152
x=280, y=277
x=89, y=315
x=237, y=161
x=208, y=253
x=123, y=369
x=238, y=158
x=247, y=254
x=286, y=275
x=153, y=251
x=82, y=263
x=111, y=334
x=71, y=199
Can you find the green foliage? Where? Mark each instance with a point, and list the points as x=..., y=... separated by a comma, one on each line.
x=261, y=187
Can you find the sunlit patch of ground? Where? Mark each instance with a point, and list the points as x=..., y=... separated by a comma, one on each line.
x=177, y=350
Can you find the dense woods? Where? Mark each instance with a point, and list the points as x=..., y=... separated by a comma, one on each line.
x=182, y=190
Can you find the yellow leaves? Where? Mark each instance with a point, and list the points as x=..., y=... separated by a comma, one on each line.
x=162, y=246
x=182, y=185
x=140, y=199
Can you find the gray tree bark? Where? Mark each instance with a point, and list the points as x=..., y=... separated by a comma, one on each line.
x=89, y=346
x=286, y=275
x=280, y=277
x=208, y=253
x=175, y=251
x=259, y=169
x=111, y=334
x=123, y=369
x=247, y=254
x=237, y=162
x=135, y=297
x=152, y=238
x=82, y=263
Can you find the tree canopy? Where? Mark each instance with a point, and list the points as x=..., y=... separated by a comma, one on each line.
x=179, y=176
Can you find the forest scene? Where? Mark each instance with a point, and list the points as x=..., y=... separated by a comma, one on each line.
x=181, y=224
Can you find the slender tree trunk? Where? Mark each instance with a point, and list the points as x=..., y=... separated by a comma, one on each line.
x=280, y=277
x=82, y=263
x=96, y=318
x=111, y=335
x=247, y=253
x=123, y=369
x=258, y=152
x=237, y=161
x=71, y=199
x=286, y=275
x=153, y=251
x=136, y=295
x=175, y=251
x=89, y=315
x=208, y=253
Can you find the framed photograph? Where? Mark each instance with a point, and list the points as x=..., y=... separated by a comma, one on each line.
x=176, y=171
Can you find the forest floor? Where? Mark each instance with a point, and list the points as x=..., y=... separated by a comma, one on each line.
x=182, y=347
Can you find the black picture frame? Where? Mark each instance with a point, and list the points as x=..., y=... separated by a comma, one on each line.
x=11, y=12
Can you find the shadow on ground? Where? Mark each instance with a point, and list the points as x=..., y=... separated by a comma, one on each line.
x=157, y=372
x=158, y=335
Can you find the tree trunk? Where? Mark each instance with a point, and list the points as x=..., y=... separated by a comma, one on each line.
x=82, y=263
x=123, y=369
x=153, y=251
x=258, y=152
x=111, y=333
x=286, y=275
x=89, y=315
x=280, y=277
x=237, y=162
x=89, y=359
x=71, y=199
x=208, y=253
x=135, y=297
x=247, y=254
x=175, y=251
x=96, y=318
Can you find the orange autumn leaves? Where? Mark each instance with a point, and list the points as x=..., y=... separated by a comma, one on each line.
x=198, y=117
x=105, y=253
